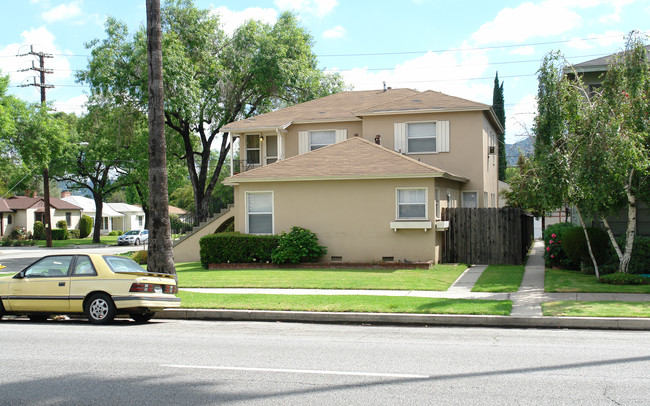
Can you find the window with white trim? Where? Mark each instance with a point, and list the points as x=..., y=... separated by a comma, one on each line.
x=412, y=203
x=319, y=139
x=469, y=199
x=271, y=142
x=421, y=137
x=252, y=149
x=259, y=212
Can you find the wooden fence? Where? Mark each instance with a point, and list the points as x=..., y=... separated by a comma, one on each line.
x=487, y=236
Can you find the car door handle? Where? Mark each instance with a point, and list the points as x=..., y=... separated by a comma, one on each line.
x=61, y=283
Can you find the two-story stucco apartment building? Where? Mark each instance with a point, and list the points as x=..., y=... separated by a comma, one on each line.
x=367, y=171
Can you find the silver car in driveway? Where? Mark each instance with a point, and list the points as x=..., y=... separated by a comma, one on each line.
x=133, y=237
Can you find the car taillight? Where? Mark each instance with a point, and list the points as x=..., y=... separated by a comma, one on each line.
x=170, y=289
x=142, y=287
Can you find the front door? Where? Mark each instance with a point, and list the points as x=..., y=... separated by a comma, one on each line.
x=43, y=286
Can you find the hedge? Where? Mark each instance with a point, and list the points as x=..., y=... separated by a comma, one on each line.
x=236, y=248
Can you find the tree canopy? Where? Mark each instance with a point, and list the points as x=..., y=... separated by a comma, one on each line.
x=211, y=78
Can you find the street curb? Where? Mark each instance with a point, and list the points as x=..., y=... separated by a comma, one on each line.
x=608, y=323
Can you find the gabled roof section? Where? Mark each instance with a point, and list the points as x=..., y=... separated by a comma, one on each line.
x=354, y=158
x=423, y=102
x=23, y=203
x=4, y=207
x=335, y=107
x=599, y=64
x=87, y=205
x=125, y=207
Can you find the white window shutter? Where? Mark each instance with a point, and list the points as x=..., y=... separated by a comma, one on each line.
x=303, y=142
x=341, y=135
x=442, y=136
x=400, y=137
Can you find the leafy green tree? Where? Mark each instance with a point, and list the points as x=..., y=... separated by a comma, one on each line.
x=102, y=153
x=210, y=79
x=499, y=109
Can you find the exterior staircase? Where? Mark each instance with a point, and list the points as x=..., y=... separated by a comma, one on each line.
x=187, y=249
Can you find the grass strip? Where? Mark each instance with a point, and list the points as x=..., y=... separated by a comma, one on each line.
x=596, y=309
x=500, y=278
x=562, y=280
x=344, y=303
x=105, y=240
x=440, y=277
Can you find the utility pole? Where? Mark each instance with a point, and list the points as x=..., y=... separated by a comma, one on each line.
x=46, y=171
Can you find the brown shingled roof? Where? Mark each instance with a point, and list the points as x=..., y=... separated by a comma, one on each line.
x=429, y=100
x=4, y=207
x=335, y=107
x=22, y=203
x=354, y=158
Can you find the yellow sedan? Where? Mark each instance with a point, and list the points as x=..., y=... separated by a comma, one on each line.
x=101, y=287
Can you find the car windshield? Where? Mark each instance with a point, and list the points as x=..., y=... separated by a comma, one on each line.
x=121, y=264
x=132, y=232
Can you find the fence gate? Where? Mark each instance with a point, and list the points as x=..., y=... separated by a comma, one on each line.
x=487, y=236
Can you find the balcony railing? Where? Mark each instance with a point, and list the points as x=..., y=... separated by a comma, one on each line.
x=242, y=165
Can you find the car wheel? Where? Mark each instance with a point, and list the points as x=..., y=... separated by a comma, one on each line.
x=142, y=317
x=137, y=241
x=100, y=309
x=38, y=317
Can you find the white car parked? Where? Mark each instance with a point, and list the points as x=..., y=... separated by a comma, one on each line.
x=133, y=237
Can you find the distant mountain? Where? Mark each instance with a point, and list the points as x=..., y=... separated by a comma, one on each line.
x=524, y=147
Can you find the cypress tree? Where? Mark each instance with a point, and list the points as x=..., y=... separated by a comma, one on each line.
x=499, y=110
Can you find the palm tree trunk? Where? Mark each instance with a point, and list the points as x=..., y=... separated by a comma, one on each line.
x=160, y=255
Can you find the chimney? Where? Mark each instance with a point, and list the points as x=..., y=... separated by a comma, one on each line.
x=65, y=193
x=378, y=139
x=31, y=193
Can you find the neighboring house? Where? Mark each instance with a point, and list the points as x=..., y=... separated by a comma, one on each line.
x=592, y=74
x=111, y=219
x=318, y=165
x=23, y=211
x=133, y=216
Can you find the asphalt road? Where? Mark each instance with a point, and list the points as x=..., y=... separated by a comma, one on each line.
x=205, y=363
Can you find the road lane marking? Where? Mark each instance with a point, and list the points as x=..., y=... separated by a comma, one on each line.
x=300, y=371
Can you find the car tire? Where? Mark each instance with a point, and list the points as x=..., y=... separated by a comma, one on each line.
x=100, y=309
x=142, y=317
x=38, y=317
x=137, y=241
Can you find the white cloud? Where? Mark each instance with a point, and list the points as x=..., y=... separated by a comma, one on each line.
x=319, y=8
x=525, y=50
x=334, y=33
x=528, y=20
x=597, y=41
x=230, y=20
x=450, y=71
x=43, y=41
x=519, y=120
x=75, y=105
x=62, y=12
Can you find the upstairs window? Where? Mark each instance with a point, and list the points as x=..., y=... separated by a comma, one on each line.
x=319, y=139
x=252, y=149
x=421, y=137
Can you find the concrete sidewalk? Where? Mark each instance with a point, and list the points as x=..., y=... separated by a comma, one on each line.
x=526, y=304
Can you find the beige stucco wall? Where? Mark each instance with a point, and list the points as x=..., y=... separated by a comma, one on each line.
x=188, y=249
x=468, y=145
x=351, y=218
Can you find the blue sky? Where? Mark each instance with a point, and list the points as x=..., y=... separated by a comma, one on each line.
x=455, y=47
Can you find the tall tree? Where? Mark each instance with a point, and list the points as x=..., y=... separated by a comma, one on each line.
x=499, y=109
x=210, y=79
x=102, y=152
x=160, y=256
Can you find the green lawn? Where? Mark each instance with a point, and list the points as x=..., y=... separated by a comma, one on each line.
x=500, y=278
x=192, y=275
x=596, y=309
x=106, y=240
x=560, y=280
x=344, y=303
